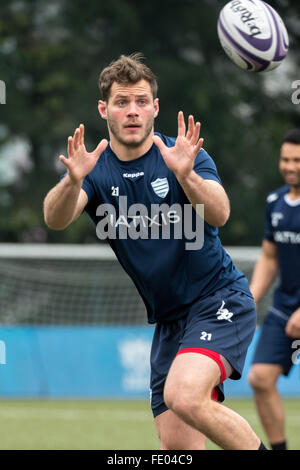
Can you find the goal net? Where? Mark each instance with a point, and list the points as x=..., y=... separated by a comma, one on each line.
x=78, y=285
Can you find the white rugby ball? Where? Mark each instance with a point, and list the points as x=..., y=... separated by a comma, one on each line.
x=253, y=35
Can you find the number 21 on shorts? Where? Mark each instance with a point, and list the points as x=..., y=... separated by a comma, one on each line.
x=205, y=336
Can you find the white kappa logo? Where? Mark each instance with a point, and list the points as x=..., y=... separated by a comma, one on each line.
x=223, y=313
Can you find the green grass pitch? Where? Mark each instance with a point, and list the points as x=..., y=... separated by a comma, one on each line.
x=107, y=425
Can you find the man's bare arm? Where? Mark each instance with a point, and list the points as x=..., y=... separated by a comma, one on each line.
x=65, y=202
x=180, y=159
x=209, y=193
x=265, y=270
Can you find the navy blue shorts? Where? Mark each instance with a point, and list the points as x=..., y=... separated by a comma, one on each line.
x=274, y=346
x=222, y=323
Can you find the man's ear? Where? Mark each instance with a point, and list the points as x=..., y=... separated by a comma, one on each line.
x=102, y=109
x=156, y=107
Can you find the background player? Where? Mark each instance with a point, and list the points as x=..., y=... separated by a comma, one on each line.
x=201, y=303
x=280, y=254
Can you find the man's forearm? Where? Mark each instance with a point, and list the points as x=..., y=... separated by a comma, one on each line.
x=264, y=274
x=213, y=196
x=60, y=204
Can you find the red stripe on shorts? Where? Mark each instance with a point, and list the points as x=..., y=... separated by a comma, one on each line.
x=215, y=394
x=207, y=352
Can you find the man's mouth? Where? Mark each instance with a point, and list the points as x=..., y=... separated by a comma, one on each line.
x=132, y=126
x=292, y=178
x=290, y=175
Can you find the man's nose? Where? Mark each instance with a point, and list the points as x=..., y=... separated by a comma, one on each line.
x=132, y=109
x=291, y=166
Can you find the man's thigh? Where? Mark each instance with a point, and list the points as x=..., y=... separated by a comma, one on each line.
x=210, y=329
x=165, y=346
x=192, y=379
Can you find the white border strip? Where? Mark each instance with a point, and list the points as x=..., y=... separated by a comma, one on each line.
x=94, y=251
x=55, y=251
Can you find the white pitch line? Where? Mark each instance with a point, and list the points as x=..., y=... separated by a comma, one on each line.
x=107, y=415
x=72, y=414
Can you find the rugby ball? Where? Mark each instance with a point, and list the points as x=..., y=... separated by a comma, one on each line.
x=253, y=35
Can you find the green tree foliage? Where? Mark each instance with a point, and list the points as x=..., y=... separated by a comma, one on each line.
x=51, y=54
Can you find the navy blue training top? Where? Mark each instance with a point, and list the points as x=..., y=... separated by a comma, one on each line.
x=168, y=276
x=282, y=227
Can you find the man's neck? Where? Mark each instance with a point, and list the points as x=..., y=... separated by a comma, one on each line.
x=294, y=193
x=127, y=153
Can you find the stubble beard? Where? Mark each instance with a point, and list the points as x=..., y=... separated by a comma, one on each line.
x=295, y=185
x=114, y=129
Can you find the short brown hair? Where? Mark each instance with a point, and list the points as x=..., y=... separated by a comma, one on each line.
x=126, y=70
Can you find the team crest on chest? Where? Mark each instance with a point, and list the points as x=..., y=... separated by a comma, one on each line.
x=276, y=217
x=161, y=187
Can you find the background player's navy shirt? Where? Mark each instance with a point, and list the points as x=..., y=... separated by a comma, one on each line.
x=282, y=227
x=168, y=277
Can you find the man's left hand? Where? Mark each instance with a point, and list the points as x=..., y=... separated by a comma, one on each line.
x=180, y=158
x=292, y=328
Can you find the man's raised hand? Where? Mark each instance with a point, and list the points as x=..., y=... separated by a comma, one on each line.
x=180, y=158
x=80, y=162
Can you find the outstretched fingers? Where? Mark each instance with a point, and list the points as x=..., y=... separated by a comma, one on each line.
x=193, y=135
x=64, y=160
x=101, y=147
x=81, y=134
x=70, y=147
x=196, y=134
x=198, y=146
x=159, y=143
x=193, y=131
x=76, y=139
x=181, y=125
x=191, y=128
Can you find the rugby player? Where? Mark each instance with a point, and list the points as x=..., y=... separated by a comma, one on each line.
x=280, y=255
x=204, y=312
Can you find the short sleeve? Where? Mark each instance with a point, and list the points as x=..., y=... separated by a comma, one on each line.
x=268, y=228
x=63, y=176
x=205, y=167
x=88, y=187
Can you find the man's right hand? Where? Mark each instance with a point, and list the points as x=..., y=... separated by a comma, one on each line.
x=80, y=162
